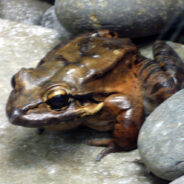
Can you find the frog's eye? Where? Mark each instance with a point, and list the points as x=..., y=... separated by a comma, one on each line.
x=57, y=99
x=113, y=34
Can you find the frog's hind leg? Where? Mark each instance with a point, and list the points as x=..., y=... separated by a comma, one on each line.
x=164, y=76
x=167, y=58
x=172, y=65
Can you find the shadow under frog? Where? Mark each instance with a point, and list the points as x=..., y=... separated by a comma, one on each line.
x=53, y=147
x=97, y=80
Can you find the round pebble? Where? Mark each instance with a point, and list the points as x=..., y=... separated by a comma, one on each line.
x=161, y=139
x=132, y=18
x=179, y=180
x=50, y=20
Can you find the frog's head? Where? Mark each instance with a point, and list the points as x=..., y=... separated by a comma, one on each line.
x=56, y=90
x=36, y=101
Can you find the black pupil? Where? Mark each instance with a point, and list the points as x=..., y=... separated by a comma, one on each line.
x=112, y=33
x=58, y=101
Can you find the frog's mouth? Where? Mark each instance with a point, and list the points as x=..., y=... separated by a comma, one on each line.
x=38, y=114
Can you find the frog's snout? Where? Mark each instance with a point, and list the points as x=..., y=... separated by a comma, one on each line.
x=14, y=116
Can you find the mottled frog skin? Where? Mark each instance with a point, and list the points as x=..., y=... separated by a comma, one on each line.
x=97, y=80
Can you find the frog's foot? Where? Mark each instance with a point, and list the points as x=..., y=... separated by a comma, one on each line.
x=40, y=131
x=111, y=147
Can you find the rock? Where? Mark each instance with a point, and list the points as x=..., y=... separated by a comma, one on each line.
x=50, y=20
x=179, y=180
x=52, y=157
x=132, y=18
x=161, y=142
x=24, y=11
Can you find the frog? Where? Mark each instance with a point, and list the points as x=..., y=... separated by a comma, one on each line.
x=98, y=80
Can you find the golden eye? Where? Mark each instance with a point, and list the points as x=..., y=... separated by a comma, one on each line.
x=57, y=99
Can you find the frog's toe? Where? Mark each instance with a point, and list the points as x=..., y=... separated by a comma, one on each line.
x=111, y=148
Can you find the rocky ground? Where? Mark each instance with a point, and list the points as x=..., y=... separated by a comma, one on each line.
x=63, y=158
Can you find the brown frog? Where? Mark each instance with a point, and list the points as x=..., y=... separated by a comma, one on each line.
x=97, y=80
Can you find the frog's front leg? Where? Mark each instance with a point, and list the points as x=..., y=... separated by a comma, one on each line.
x=129, y=118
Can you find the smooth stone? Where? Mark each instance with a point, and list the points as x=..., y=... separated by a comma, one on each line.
x=179, y=180
x=24, y=11
x=132, y=18
x=161, y=141
x=49, y=20
x=26, y=157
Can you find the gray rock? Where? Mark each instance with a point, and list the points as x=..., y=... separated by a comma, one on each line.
x=133, y=18
x=179, y=180
x=26, y=157
x=24, y=11
x=50, y=20
x=161, y=141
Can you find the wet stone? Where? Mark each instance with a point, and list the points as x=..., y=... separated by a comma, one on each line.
x=161, y=140
x=132, y=18
x=49, y=20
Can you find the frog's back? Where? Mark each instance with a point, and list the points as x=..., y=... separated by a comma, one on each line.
x=89, y=58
